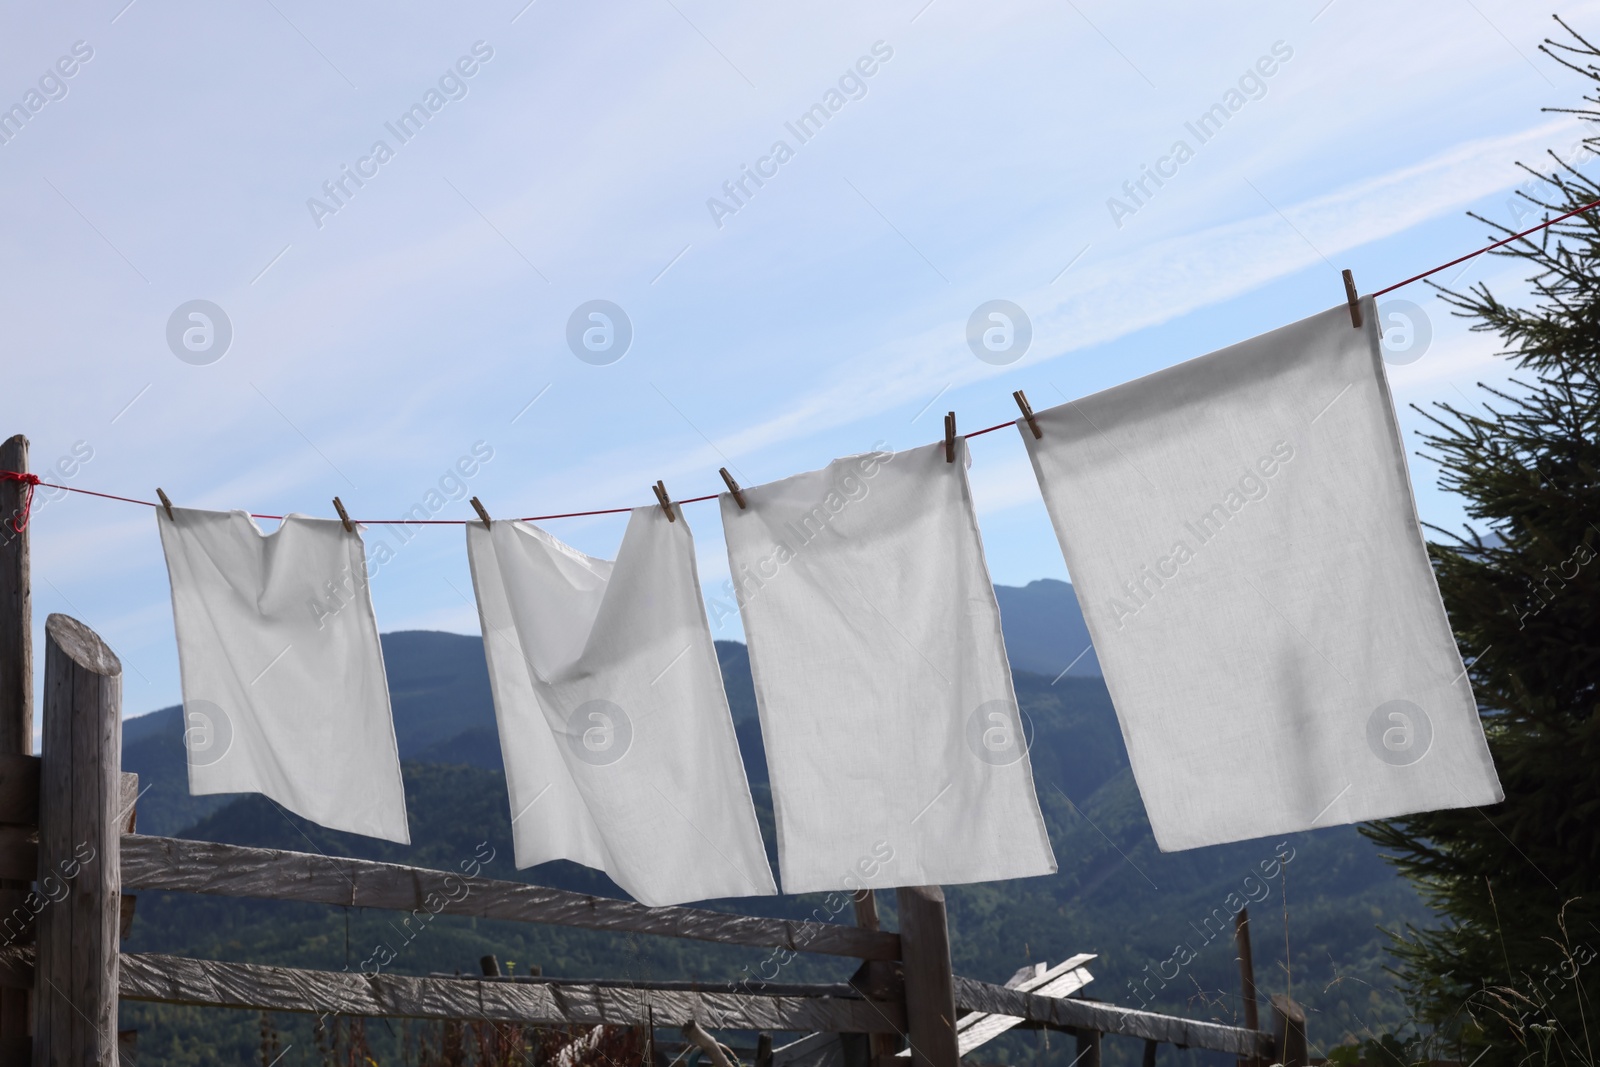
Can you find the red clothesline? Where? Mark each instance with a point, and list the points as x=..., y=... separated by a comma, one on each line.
x=32, y=480
x=1490, y=248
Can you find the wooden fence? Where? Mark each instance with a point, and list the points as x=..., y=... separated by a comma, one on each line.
x=69, y=853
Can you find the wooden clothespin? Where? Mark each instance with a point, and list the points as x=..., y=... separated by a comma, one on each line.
x=1027, y=413
x=733, y=487
x=338, y=506
x=666, y=502
x=164, y=502
x=1354, y=298
x=477, y=505
x=950, y=437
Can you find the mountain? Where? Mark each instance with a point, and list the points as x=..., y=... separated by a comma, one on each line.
x=444, y=712
x=438, y=689
x=1044, y=629
x=1158, y=921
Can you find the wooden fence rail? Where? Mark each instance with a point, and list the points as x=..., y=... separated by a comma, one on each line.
x=1067, y=1013
x=236, y=871
x=176, y=980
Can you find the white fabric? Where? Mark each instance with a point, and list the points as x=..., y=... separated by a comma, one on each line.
x=892, y=734
x=618, y=743
x=283, y=684
x=1242, y=538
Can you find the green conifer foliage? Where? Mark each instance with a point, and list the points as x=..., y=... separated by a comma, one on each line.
x=1514, y=971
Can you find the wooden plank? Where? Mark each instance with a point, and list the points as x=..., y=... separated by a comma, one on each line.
x=1247, y=969
x=1247, y=978
x=1088, y=1048
x=875, y=973
x=813, y=1050
x=19, y=856
x=19, y=789
x=1071, y=1014
x=127, y=801
x=760, y=989
x=16, y=609
x=18, y=909
x=16, y=967
x=1062, y=980
x=75, y=991
x=235, y=871
x=1289, y=1026
x=930, y=997
x=172, y=980
x=16, y=703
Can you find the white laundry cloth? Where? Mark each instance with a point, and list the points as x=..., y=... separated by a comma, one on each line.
x=893, y=739
x=1242, y=538
x=283, y=686
x=618, y=743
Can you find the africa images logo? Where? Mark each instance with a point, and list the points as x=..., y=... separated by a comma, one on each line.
x=1399, y=733
x=599, y=732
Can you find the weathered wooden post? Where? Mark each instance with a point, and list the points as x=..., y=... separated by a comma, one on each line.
x=1247, y=977
x=865, y=903
x=16, y=696
x=930, y=982
x=1088, y=1048
x=1289, y=1029
x=75, y=985
x=16, y=608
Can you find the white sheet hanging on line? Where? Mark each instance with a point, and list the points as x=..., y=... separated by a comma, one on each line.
x=1242, y=538
x=283, y=686
x=892, y=734
x=618, y=743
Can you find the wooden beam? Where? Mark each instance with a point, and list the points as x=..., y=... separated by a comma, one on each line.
x=19, y=789
x=235, y=871
x=1088, y=1048
x=16, y=609
x=1247, y=969
x=19, y=856
x=172, y=980
x=16, y=967
x=16, y=705
x=1247, y=975
x=930, y=997
x=874, y=973
x=975, y=1029
x=1070, y=1014
x=127, y=801
x=80, y=801
x=1289, y=1027
x=757, y=989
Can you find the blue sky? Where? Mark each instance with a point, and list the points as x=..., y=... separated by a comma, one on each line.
x=376, y=344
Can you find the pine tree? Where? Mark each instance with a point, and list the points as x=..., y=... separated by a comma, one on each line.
x=1514, y=973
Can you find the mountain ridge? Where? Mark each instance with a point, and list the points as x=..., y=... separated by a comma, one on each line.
x=1115, y=893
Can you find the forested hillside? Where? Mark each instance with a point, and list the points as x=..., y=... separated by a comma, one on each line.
x=1152, y=918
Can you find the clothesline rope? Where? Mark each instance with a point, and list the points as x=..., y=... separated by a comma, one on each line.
x=1490, y=248
x=32, y=480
